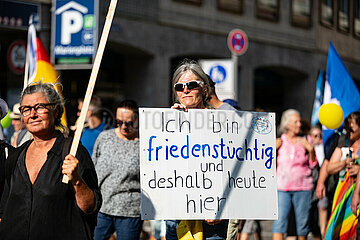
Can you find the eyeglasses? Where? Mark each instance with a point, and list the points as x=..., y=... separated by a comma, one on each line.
x=179, y=87
x=127, y=124
x=38, y=108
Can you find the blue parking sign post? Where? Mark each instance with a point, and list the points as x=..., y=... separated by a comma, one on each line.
x=75, y=26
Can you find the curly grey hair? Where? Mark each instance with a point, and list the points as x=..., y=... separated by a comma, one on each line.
x=51, y=94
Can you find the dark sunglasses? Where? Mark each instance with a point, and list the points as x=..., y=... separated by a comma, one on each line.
x=179, y=87
x=128, y=124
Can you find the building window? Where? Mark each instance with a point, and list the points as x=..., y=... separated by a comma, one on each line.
x=301, y=13
x=235, y=6
x=327, y=12
x=196, y=2
x=267, y=9
x=343, y=16
x=357, y=18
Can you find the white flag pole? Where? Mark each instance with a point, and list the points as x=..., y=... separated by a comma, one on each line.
x=26, y=70
x=92, y=81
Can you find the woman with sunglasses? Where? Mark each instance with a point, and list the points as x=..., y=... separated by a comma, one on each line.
x=35, y=203
x=342, y=224
x=116, y=158
x=191, y=90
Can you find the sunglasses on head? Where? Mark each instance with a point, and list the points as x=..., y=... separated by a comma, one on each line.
x=179, y=87
x=120, y=123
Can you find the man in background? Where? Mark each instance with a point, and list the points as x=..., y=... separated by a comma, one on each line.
x=213, y=99
x=95, y=125
x=5, y=148
x=21, y=134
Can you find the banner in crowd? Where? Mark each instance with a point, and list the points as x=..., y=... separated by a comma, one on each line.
x=339, y=88
x=39, y=65
x=207, y=164
x=319, y=95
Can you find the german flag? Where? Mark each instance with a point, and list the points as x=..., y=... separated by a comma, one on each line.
x=39, y=65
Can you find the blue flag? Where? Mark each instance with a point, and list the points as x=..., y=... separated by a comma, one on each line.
x=339, y=88
x=318, y=101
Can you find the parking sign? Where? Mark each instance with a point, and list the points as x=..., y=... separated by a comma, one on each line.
x=75, y=31
x=221, y=72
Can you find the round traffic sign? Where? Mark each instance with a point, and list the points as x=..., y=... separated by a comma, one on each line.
x=16, y=56
x=217, y=73
x=237, y=42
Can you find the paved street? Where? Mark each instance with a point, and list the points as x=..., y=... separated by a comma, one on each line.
x=266, y=231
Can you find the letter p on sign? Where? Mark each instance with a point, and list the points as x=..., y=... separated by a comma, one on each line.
x=71, y=22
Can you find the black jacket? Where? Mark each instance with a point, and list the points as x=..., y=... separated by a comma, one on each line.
x=5, y=149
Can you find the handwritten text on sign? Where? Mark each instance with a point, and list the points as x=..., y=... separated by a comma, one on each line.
x=206, y=164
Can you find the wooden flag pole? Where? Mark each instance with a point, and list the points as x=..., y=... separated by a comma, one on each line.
x=92, y=81
x=26, y=70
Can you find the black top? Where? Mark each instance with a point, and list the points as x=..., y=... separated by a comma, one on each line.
x=10, y=150
x=47, y=209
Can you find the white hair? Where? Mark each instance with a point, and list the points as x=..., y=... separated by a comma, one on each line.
x=285, y=118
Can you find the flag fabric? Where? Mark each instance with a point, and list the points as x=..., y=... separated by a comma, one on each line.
x=339, y=88
x=319, y=95
x=342, y=222
x=40, y=67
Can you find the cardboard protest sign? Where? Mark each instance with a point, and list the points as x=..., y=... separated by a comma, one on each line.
x=207, y=164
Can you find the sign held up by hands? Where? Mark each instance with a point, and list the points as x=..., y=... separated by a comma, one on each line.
x=207, y=164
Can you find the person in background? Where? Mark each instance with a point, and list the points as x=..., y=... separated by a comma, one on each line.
x=4, y=110
x=248, y=228
x=36, y=204
x=322, y=204
x=296, y=157
x=228, y=104
x=342, y=162
x=5, y=148
x=117, y=161
x=94, y=123
x=326, y=184
x=21, y=134
x=213, y=99
x=233, y=103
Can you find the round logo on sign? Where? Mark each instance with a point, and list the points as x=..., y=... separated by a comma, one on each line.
x=237, y=42
x=261, y=125
x=217, y=73
x=16, y=56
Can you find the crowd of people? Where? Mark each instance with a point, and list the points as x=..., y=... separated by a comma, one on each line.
x=318, y=192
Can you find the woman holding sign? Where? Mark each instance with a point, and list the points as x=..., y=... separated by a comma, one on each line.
x=191, y=90
x=35, y=203
x=296, y=157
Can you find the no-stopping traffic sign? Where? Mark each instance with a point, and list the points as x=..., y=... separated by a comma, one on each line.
x=237, y=42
